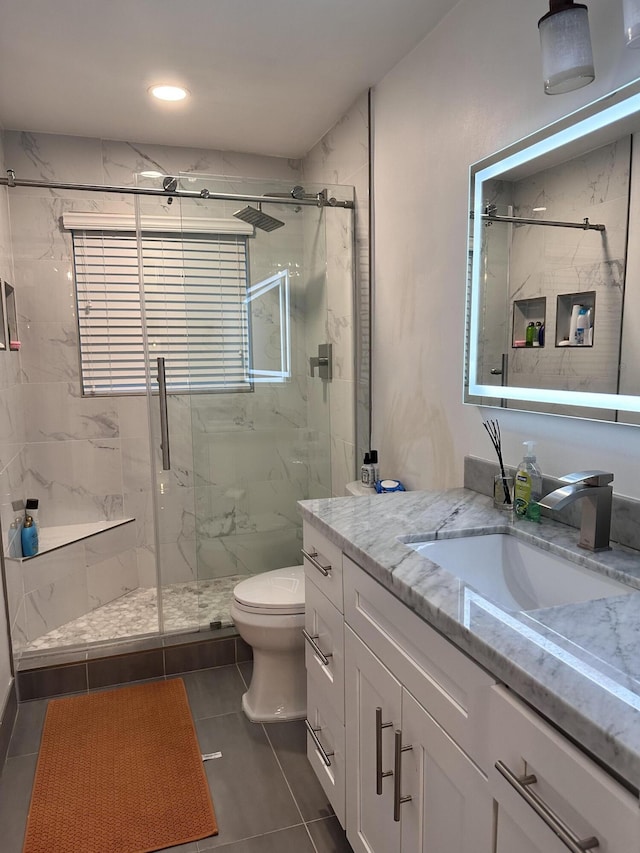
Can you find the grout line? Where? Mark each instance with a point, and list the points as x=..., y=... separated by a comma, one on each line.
x=241, y=840
x=306, y=826
x=241, y=675
x=284, y=775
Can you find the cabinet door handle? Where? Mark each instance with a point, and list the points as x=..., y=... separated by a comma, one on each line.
x=398, y=799
x=522, y=785
x=379, y=774
x=324, y=755
x=325, y=570
x=324, y=658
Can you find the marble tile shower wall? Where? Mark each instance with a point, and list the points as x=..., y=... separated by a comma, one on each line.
x=228, y=505
x=553, y=262
x=342, y=157
x=87, y=458
x=12, y=423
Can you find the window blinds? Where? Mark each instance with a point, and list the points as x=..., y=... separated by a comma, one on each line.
x=195, y=308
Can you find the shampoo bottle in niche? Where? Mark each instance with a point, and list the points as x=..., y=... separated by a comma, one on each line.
x=32, y=510
x=29, y=538
x=15, y=537
x=528, y=486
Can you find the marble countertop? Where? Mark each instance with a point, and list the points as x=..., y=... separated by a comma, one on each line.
x=577, y=664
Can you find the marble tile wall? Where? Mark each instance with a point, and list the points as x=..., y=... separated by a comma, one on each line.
x=55, y=587
x=342, y=157
x=227, y=506
x=557, y=261
x=552, y=262
x=11, y=439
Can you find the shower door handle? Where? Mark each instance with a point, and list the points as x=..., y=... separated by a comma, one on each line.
x=164, y=417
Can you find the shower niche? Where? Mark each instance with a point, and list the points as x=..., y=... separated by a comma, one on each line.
x=528, y=313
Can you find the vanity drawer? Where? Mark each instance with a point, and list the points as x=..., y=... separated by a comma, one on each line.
x=323, y=563
x=327, y=759
x=452, y=688
x=571, y=787
x=324, y=627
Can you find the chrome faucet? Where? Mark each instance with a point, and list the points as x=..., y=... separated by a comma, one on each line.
x=594, y=487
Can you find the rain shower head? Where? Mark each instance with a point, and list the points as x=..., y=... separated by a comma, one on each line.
x=259, y=219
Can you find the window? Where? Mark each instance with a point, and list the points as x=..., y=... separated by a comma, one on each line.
x=195, y=309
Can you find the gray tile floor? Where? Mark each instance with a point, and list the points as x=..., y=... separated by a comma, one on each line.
x=266, y=797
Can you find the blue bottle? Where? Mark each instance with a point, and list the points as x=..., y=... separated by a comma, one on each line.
x=29, y=538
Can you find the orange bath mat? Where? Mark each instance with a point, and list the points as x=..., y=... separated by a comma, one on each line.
x=119, y=771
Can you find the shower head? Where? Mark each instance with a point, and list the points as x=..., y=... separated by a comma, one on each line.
x=259, y=219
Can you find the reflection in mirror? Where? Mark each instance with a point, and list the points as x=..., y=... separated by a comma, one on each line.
x=3, y=329
x=270, y=335
x=12, y=317
x=552, y=244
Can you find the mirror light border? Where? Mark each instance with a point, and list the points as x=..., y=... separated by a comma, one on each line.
x=598, y=116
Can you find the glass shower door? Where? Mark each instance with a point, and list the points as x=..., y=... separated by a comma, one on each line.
x=236, y=313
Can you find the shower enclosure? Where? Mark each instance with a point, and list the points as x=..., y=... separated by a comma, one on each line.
x=196, y=348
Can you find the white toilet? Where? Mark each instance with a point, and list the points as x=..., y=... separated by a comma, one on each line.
x=268, y=611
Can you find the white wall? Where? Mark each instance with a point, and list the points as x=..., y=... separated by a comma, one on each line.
x=471, y=87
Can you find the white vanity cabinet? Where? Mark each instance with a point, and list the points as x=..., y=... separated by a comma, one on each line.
x=324, y=660
x=412, y=699
x=545, y=787
x=410, y=787
x=420, y=750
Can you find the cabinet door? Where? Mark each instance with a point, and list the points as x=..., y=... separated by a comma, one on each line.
x=540, y=781
x=512, y=837
x=369, y=685
x=325, y=625
x=451, y=808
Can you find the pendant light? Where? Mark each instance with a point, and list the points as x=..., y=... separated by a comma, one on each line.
x=567, y=59
x=631, y=9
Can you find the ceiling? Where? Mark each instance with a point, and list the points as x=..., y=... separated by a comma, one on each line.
x=265, y=76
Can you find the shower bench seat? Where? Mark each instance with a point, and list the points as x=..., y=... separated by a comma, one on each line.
x=52, y=538
x=78, y=568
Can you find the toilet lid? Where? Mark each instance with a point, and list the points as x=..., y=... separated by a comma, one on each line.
x=279, y=591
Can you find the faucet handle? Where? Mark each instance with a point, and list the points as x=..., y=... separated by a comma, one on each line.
x=590, y=478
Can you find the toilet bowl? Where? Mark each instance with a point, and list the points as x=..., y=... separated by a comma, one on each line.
x=268, y=612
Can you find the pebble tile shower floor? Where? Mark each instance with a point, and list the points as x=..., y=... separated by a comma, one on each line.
x=185, y=606
x=266, y=796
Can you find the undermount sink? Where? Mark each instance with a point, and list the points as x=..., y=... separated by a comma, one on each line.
x=515, y=574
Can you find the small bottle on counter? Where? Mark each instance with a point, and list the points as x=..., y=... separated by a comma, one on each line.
x=365, y=470
x=375, y=471
x=29, y=538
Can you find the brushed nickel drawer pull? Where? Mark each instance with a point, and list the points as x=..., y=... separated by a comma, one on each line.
x=522, y=785
x=324, y=658
x=326, y=756
x=398, y=799
x=379, y=774
x=325, y=570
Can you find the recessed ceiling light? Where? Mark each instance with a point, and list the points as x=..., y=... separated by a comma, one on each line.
x=169, y=93
x=152, y=174
x=538, y=209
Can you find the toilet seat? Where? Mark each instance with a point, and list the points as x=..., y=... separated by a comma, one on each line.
x=280, y=591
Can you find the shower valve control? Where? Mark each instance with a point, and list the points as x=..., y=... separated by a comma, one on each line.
x=322, y=361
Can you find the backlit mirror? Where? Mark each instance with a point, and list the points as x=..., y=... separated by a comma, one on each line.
x=554, y=268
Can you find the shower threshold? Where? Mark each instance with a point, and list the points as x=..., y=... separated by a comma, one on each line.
x=187, y=607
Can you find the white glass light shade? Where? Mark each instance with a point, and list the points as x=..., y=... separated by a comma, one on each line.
x=631, y=9
x=567, y=58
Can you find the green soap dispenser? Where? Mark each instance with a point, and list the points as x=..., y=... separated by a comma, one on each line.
x=528, y=485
